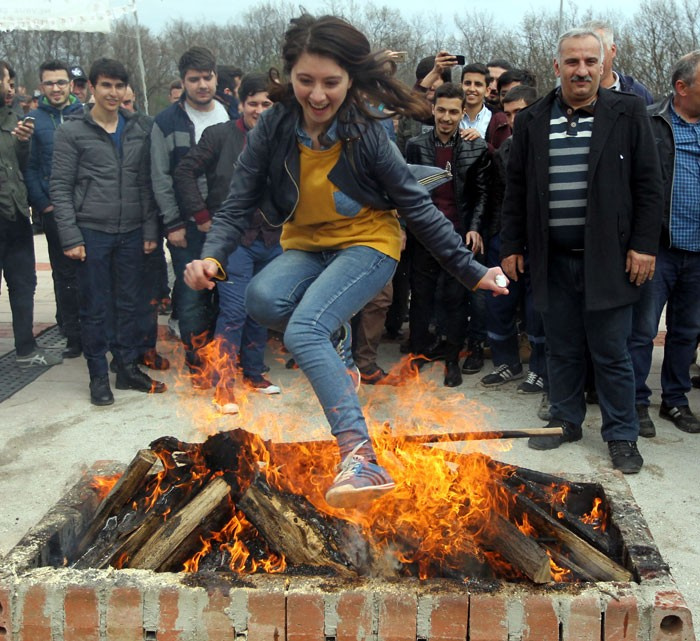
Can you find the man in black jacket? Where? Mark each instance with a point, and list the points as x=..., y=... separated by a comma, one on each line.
x=584, y=196
x=106, y=220
x=243, y=339
x=462, y=201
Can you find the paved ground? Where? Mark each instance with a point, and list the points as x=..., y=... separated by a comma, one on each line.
x=51, y=432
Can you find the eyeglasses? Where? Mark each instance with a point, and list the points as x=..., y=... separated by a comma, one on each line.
x=59, y=83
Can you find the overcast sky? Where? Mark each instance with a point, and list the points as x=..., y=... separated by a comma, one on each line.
x=156, y=13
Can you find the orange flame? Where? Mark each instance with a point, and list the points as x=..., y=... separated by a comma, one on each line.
x=557, y=494
x=231, y=539
x=559, y=574
x=443, y=496
x=104, y=484
x=526, y=527
x=597, y=516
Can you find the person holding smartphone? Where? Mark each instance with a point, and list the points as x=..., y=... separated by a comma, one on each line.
x=17, y=261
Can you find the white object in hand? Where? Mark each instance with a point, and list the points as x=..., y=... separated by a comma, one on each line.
x=501, y=280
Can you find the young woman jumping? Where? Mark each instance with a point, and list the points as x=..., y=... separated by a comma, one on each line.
x=321, y=165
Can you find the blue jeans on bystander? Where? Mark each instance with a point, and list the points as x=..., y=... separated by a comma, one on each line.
x=568, y=326
x=110, y=279
x=244, y=337
x=676, y=282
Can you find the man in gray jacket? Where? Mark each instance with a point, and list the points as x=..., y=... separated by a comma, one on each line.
x=106, y=220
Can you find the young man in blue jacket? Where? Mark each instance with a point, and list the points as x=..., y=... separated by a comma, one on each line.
x=55, y=105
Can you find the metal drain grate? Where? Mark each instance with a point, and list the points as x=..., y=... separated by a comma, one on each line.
x=13, y=378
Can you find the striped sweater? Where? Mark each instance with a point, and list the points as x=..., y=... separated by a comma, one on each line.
x=569, y=146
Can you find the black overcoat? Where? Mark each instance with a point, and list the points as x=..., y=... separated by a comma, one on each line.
x=625, y=197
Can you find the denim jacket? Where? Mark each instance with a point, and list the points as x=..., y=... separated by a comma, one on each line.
x=370, y=171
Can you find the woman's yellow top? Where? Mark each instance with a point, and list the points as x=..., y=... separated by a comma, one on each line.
x=325, y=218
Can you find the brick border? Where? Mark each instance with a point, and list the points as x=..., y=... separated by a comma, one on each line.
x=61, y=604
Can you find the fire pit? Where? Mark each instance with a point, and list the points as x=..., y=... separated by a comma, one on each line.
x=465, y=548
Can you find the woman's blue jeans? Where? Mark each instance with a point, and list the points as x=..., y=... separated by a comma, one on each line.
x=308, y=296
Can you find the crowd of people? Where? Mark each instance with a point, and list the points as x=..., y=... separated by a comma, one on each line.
x=466, y=217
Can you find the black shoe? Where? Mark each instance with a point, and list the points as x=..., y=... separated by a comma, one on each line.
x=73, y=349
x=437, y=351
x=647, y=429
x=375, y=375
x=130, y=376
x=100, y=392
x=625, y=456
x=533, y=384
x=682, y=417
x=571, y=433
x=453, y=375
x=503, y=374
x=153, y=360
x=474, y=363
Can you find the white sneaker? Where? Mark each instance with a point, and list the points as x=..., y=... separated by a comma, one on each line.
x=226, y=408
x=262, y=385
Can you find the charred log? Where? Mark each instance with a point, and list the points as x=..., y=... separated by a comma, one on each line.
x=305, y=536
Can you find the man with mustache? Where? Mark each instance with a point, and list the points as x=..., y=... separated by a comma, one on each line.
x=584, y=197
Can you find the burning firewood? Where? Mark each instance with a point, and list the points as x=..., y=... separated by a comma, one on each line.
x=593, y=562
x=523, y=552
x=305, y=536
x=205, y=510
x=237, y=502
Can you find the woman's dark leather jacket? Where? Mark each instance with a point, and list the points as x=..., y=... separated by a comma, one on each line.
x=370, y=170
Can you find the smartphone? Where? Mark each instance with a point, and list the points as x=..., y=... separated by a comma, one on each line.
x=399, y=56
x=460, y=59
x=28, y=120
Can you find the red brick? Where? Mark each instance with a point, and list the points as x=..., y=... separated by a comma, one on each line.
x=266, y=616
x=125, y=614
x=169, y=609
x=671, y=620
x=449, y=619
x=354, y=616
x=35, y=624
x=622, y=619
x=216, y=621
x=5, y=615
x=397, y=617
x=305, y=617
x=541, y=621
x=488, y=618
x=82, y=619
x=584, y=619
